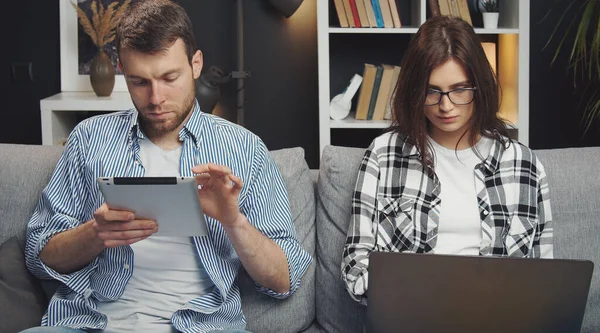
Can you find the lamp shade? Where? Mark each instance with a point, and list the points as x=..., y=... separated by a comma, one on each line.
x=286, y=7
x=207, y=88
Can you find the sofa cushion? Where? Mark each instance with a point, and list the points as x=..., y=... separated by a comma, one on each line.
x=24, y=171
x=336, y=311
x=575, y=201
x=22, y=300
x=296, y=313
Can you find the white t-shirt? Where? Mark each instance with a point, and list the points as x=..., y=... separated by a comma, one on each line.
x=459, y=230
x=167, y=272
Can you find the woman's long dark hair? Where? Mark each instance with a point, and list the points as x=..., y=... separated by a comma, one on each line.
x=438, y=40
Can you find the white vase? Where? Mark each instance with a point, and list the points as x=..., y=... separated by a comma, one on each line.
x=490, y=20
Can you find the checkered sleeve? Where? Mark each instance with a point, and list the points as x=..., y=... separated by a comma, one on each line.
x=361, y=238
x=543, y=241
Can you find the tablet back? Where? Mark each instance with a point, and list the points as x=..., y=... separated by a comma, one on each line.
x=171, y=201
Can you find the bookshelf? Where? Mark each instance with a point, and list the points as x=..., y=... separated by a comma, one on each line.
x=60, y=113
x=342, y=52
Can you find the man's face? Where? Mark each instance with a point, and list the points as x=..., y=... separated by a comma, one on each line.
x=162, y=87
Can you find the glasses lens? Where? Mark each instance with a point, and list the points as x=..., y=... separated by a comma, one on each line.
x=432, y=98
x=461, y=96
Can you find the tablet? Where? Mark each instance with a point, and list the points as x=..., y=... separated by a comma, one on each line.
x=170, y=201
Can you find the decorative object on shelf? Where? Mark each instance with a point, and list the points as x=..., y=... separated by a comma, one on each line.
x=340, y=105
x=584, y=53
x=490, y=14
x=101, y=30
x=207, y=90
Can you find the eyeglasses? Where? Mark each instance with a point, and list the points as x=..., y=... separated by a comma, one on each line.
x=460, y=96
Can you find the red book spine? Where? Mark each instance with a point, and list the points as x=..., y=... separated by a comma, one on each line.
x=355, y=13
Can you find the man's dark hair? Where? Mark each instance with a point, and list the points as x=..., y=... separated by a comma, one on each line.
x=152, y=26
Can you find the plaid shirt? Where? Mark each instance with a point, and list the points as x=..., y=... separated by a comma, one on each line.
x=396, y=206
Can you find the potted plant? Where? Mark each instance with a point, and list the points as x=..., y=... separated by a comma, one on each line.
x=101, y=30
x=584, y=50
x=490, y=14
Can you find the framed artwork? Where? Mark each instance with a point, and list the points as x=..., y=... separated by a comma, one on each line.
x=77, y=49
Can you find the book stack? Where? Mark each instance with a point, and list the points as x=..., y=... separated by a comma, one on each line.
x=374, y=100
x=368, y=13
x=455, y=8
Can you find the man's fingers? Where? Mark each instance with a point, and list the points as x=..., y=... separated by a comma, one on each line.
x=118, y=216
x=211, y=168
x=117, y=243
x=105, y=214
x=125, y=235
x=125, y=226
x=237, y=181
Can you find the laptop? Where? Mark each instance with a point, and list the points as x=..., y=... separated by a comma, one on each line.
x=414, y=293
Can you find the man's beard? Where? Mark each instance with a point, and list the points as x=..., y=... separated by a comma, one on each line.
x=157, y=128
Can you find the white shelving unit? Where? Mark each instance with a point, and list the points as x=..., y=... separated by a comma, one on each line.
x=59, y=113
x=512, y=63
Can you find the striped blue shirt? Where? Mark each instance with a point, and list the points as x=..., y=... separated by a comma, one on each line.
x=107, y=145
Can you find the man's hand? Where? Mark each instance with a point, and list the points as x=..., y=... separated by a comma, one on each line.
x=116, y=227
x=219, y=190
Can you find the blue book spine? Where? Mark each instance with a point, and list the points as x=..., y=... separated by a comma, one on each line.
x=375, y=92
x=378, y=16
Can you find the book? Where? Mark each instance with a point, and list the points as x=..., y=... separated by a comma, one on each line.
x=341, y=13
x=386, y=14
x=377, y=11
x=355, y=16
x=385, y=89
x=362, y=13
x=364, y=97
x=370, y=14
x=375, y=92
x=348, y=10
x=453, y=6
x=388, y=110
x=444, y=7
x=463, y=9
x=395, y=14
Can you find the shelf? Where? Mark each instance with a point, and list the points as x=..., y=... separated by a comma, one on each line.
x=480, y=31
x=350, y=122
x=407, y=30
x=499, y=31
x=87, y=101
x=61, y=112
x=339, y=59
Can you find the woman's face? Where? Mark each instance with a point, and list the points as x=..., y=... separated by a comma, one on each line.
x=450, y=117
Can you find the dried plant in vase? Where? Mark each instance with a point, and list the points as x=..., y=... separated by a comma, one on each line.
x=101, y=29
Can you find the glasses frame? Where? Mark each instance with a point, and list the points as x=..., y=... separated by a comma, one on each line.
x=447, y=93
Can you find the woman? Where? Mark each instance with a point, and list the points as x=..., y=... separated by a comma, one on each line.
x=446, y=178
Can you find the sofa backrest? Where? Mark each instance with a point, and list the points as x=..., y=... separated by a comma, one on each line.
x=336, y=311
x=574, y=187
x=297, y=313
x=575, y=201
x=25, y=171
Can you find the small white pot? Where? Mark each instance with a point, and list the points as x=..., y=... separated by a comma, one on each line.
x=490, y=20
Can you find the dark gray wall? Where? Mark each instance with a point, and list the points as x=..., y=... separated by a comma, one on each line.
x=280, y=53
x=282, y=98
x=31, y=36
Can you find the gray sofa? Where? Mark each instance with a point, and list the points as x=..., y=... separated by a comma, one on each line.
x=320, y=204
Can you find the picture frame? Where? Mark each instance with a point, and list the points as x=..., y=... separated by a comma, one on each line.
x=70, y=79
